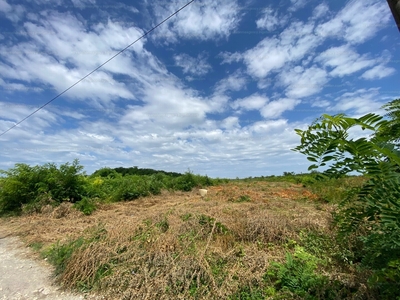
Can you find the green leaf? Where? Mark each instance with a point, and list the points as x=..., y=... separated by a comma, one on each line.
x=327, y=158
x=312, y=167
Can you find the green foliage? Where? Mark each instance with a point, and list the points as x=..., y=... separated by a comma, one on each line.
x=163, y=225
x=387, y=280
x=334, y=190
x=24, y=184
x=86, y=205
x=240, y=199
x=369, y=216
x=30, y=188
x=247, y=293
x=60, y=254
x=390, y=131
x=208, y=223
x=130, y=188
x=298, y=275
x=106, y=172
x=185, y=183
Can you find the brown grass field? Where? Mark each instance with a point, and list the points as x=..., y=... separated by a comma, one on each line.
x=177, y=245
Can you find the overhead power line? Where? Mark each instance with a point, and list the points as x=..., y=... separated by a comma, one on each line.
x=108, y=60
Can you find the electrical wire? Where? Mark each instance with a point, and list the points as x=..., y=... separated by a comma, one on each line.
x=121, y=51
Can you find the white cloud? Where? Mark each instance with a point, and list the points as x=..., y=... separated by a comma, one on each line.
x=297, y=4
x=303, y=83
x=357, y=103
x=168, y=105
x=12, y=12
x=4, y=6
x=268, y=126
x=320, y=103
x=270, y=20
x=321, y=10
x=378, y=72
x=203, y=20
x=228, y=58
x=271, y=54
x=14, y=113
x=344, y=60
x=234, y=82
x=61, y=51
x=274, y=109
x=230, y=123
x=253, y=102
x=357, y=22
x=83, y=3
x=193, y=65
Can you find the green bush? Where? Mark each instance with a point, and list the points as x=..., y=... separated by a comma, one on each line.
x=130, y=188
x=298, y=275
x=24, y=184
x=369, y=217
x=86, y=205
x=60, y=254
x=185, y=183
x=247, y=293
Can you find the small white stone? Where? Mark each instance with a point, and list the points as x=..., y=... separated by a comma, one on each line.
x=203, y=192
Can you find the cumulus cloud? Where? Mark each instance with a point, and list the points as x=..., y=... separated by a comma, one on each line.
x=358, y=102
x=168, y=105
x=4, y=6
x=230, y=123
x=61, y=51
x=228, y=58
x=378, y=72
x=12, y=12
x=253, y=102
x=202, y=20
x=297, y=4
x=320, y=10
x=192, y=65
x=344, y=60
x=274, y=109
x=301, y=82
x=357, y=22
x=234, y=82
x=271, y=54
x=270, y=19
x=83, y=3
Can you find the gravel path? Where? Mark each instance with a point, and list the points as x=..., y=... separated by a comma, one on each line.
x=22, y=277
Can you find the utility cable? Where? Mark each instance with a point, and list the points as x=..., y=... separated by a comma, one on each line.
x=121, y=51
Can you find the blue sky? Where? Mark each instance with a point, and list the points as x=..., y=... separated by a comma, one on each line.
x=218, y=89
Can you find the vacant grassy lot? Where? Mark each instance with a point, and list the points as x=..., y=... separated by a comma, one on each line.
x=245, y=240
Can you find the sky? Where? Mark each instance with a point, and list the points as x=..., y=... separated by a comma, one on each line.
x=218, y=89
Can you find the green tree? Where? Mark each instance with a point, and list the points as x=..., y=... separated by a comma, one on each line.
x=372, y=213
x=391, y=130
x=24, y=184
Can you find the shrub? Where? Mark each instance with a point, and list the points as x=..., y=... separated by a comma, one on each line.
x=298, y=275
x=130, y=188
x=185, y=183
x=86, y=205
x=370, y=214
x=24, y=184
x=60, y=254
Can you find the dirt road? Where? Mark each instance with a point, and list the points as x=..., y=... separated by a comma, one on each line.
x=22, y=277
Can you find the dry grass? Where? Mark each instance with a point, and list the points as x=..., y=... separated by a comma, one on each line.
x=178, y=245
